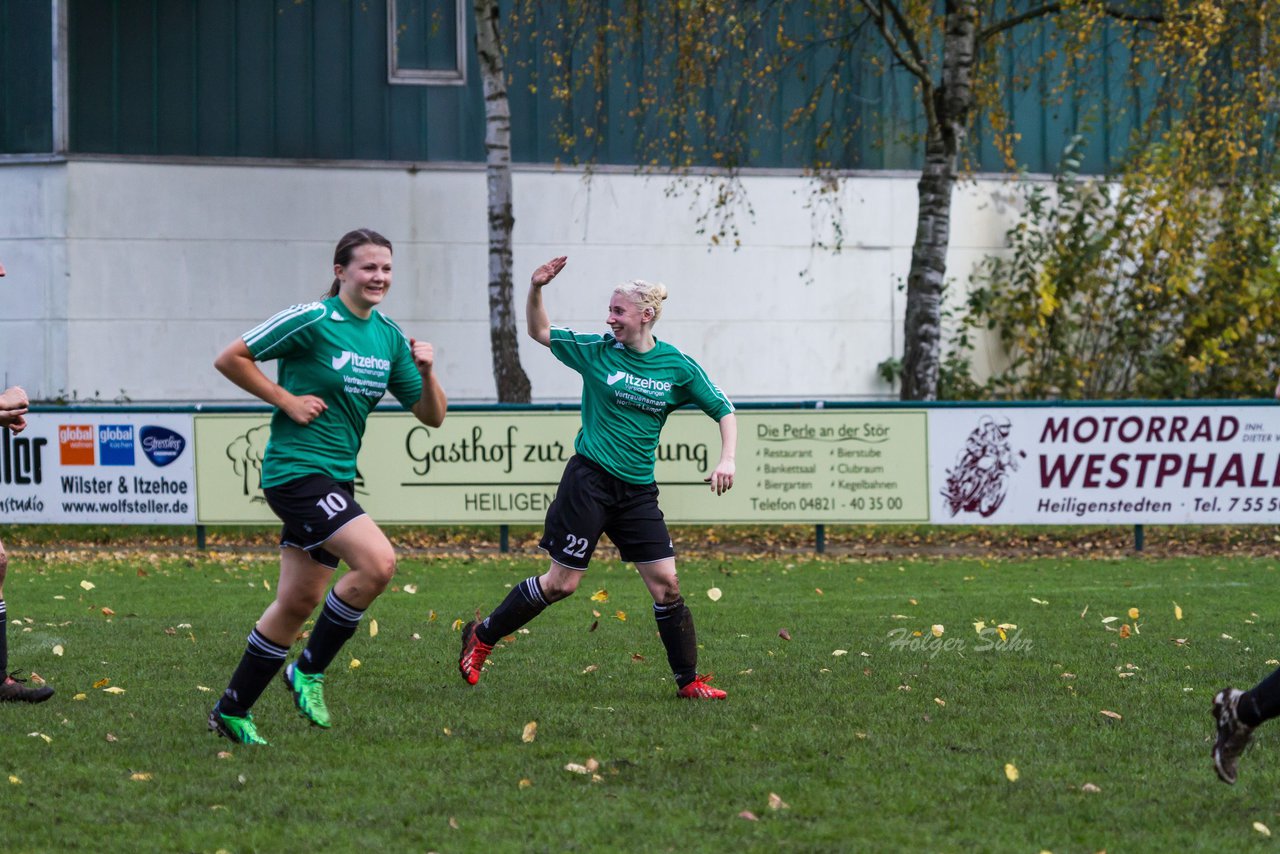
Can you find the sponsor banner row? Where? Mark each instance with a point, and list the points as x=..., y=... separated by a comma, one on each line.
x=1029, y=465
x=99, y=468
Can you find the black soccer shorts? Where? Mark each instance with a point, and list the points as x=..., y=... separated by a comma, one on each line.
x=591, y=501
x=313, y=508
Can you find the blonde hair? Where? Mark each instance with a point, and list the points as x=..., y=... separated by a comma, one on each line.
x=644, y=295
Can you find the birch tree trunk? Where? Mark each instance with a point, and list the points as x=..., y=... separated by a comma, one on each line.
x=948, y=107
x=509, y=377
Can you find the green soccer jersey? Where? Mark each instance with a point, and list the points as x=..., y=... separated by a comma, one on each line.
x=349, y=363
x=626, y=397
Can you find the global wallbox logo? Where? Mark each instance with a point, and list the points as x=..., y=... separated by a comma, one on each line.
x=115, y=444
x=75, y=444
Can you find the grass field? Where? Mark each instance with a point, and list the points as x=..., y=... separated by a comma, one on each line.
x=853, y=735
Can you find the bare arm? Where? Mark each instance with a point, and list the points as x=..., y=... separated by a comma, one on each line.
x=721, y=479
x=432, y=405
x=535, y=312
x=14, y=397
x=236, y=364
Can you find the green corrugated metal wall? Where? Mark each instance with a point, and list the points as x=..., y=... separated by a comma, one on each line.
x=26, y=77
x=307, y=79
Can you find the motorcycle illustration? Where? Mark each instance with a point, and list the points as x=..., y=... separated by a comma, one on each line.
x=979, y=481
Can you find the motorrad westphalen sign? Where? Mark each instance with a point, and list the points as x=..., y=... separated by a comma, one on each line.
x=1105, y=465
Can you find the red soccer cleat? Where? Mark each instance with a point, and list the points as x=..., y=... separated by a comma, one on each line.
x=698, y=689
x=474, y=654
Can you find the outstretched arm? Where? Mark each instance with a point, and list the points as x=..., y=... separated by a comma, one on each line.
x=721, y=479
x=432, y=405
x=237, y=364
x=535, y=312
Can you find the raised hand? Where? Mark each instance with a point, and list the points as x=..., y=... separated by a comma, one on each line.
x=548, y=271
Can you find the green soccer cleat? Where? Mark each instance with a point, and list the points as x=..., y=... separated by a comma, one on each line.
x=239, y=730
x=308, y=694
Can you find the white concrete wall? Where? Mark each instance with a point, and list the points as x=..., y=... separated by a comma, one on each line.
x=129, y=277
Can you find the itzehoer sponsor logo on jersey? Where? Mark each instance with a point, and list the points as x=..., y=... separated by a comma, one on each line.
x=640, y=392
x=365, y=375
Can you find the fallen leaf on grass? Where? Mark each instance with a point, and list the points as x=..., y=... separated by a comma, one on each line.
x=107, y=612
x=80, y=696
x=1262, y=828
x=1039, y=601
x=1111, y=714
x=621, y=615
x=818, y=590
x=102, y=683
x=1124, y=631
x=595, y=624
x=87, y=585
x=748, y=815
x=1177, y=611
x=1106, y=620
x=114, y=689
x=590, y=668
x=140, y=776
x=1133, y=613
x=714, y=594
x=355, y=662
x=40, y=735
x=839, y=652
x=784, y=634
x=1090, y=788
x=14, y=780
x=57, y=649
x=1011, y=771
x=112, y=738
x=373, y=628
x=600, y=596
x=524, y=783
x=457, y=625
x=530, y=732
x=576, y=768
x=940, y=702
x=937, y=629
x=777, y=803
x=225, y=754
x=412, y=589
x=453, y=822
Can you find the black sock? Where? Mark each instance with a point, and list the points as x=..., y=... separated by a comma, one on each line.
x=261, y=661
x=337, y=623
x=4, y=642
x=675, y=627
x=1261, y=702
x=523, y=603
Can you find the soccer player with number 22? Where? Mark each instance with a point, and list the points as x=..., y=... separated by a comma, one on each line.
x=631, y=382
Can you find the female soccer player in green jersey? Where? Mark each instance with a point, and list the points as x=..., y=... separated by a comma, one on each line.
x=337, y=358
x=631, y=381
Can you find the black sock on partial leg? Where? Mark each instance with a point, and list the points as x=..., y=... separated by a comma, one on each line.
x=260, y=663
x=523, y=603
x=337, y=623
x=675, y=627
x=1261, y=702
